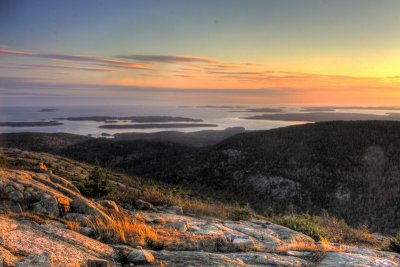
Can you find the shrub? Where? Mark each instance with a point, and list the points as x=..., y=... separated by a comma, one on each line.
x=97, y=184
x=304, y=224
x=241, y=213
x=3, y=161
x=395, y=244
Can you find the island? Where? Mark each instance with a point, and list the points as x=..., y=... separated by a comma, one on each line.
x=225, y=106
x=268, y=110
x=333, y=108
x=140, y=119
x=156, y=125
x=30, y=123
x=47, y=110
x=323, y=116
x=317, y=109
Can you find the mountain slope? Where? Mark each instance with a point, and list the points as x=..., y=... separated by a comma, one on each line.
x=349, y=169
x=45, y=221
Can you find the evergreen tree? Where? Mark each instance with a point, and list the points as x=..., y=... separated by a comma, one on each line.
x=97, y=184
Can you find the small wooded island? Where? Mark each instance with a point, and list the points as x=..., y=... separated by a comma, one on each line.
x=30, y=123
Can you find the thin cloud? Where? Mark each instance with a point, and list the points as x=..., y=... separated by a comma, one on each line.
x=170, y=59
x=77, y=58
x=43, y=66
x=8, y=84
x=236, y=72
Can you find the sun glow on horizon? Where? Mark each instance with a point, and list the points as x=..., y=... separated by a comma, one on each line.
x=339, y=53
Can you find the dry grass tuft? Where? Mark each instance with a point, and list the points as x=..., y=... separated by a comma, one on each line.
x=326, y=228
x=38, y=218
x=74, y=226
x=191, y=206
x=129, y=230
x=123, y=228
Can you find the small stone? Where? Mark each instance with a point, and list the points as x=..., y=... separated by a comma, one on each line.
x=77, y=217
x=86, y=231
x=243, y=243
x=143, y=205
x=97, y=263
x=16, y=196
x=8, y=189
x=140, y=256
x=27, y=195
x=7, y=263
x=64, y=204
x=181, y=226
x=175, y=209
x=47, y=205
x=109, y=204
x=45, y=259
x=298, y=253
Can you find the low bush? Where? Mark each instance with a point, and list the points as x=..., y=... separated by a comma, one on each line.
x=241, y=213
x=3, y=161
x=395, y=244
x=304, y=224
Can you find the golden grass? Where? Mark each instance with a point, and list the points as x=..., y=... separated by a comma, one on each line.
x=130, y=230
x=123, y=228
x=74, y=226
x=32, y=216
x=191, y=206
x=327, y=229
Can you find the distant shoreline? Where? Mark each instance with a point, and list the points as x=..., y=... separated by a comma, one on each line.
x=139, y=119
x=323, y=116
x=156, y=125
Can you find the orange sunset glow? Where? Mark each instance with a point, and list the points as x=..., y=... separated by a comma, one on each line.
x=310, y=53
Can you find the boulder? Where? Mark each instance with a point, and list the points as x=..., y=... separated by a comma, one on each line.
x=16, y=196
x=140, y=256
x=175, y=209
x=47, y=204
x=63, y=204
x=49, y=241
x=181, y=226
x=244, y=244
x=84, y=206
x=109, y=204
x=7, y=262
x=63, y=182
x=143, y=205
x=45, y=259
x=87, y=231
x=240, y=242
x=333, y=259
x=77, y=217
x=97, y=263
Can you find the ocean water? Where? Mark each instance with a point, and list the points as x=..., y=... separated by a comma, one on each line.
x=223, y=117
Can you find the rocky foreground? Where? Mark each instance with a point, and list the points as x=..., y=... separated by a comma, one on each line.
x=45, y=221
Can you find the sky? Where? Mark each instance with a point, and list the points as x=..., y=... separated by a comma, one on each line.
x=314, y=52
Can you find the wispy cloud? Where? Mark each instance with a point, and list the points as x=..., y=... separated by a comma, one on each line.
x=183, y=76
x=44, y=66
x=170, y=59
x=116, y=63
x=16, y=83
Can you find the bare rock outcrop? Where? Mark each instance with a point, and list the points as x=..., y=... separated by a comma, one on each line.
x=205, y=241
x=50, y=242
x=37, y=192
